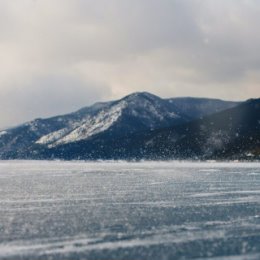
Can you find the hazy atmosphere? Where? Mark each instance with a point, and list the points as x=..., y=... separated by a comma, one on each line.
x=129, y=129
x=60, y=55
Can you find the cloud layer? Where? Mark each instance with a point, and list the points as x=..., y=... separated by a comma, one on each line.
x=60, y=55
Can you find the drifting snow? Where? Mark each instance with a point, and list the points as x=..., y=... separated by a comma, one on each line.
x=120, y=210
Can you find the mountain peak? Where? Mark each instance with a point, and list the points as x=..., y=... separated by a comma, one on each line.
x=138, y=95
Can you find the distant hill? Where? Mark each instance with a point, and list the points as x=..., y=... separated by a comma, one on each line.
x=230, y=134
x=86, y=133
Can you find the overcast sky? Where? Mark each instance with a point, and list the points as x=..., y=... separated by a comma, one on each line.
x=59, y=55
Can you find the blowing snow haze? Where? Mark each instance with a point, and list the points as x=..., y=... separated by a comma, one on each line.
x=60, y=55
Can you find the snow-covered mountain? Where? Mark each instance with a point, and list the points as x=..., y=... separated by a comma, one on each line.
x=134, y=113
x=230, y=134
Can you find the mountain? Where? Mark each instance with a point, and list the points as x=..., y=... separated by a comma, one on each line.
x=135, y=113
x=230, y=134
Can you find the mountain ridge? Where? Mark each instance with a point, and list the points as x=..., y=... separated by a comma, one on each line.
x=185, y=141
x=137, y=112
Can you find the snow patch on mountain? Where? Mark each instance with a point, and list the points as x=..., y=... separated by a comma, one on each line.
x=3, y=133
x=86, y=128
x=54, y=136
x=103, y=121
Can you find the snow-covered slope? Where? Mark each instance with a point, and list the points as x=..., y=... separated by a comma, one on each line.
x=136, y=112
x=85, y=128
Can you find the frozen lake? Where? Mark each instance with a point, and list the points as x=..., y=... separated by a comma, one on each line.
x=149, y=210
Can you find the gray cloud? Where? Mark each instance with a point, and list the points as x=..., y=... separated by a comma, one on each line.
x=61, y=94
x=59, y=55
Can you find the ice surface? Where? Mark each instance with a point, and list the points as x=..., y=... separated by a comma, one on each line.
x=120, y=210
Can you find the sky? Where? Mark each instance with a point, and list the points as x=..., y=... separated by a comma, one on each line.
x=57, y=56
